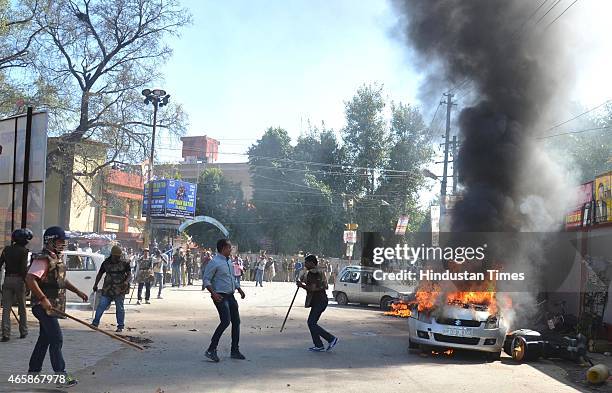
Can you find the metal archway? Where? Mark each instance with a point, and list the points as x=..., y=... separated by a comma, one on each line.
x=205, y=219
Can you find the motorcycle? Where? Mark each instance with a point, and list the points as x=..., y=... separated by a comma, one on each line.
x=553, y=335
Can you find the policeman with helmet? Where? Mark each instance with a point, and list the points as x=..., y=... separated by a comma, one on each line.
x=15, y=261
x=47, y=281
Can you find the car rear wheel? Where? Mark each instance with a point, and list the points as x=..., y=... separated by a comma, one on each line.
x=342, y=299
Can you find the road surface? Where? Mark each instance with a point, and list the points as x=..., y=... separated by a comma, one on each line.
x=372, y=354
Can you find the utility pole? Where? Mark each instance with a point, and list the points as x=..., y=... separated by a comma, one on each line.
x=449, y=103
x=157, y=98
x=455, y=172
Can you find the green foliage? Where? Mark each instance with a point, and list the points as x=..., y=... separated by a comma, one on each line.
x=589, y=153
x=301, y=192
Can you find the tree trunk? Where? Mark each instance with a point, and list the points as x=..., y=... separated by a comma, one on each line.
x=68, y=147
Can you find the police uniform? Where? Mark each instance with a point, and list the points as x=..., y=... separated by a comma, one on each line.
x=15, y=260
x=52, y=284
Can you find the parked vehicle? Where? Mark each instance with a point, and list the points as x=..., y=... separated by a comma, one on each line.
x=356, y=284
x=460, y=326
x=81, y=270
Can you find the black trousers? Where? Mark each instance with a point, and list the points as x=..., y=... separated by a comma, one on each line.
x=147, y=285
x=228, y=312
x=317, y=331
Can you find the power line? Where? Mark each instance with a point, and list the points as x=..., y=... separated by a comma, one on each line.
x=575, y=132
x=577, y=116
x=548, y=25
x=550, y=9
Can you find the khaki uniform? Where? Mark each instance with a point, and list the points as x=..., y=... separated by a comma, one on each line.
x=15, y=257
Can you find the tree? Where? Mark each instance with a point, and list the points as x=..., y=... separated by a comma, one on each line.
x=17, y=41
x=223, y=200
x=101, y=53
x=273, y=182
x=403, y=179
x=588, y=153
x=365, y=137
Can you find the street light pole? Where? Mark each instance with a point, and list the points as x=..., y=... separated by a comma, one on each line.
x=158, y=98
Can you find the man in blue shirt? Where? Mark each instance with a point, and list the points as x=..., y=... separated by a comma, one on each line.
x=220, y=282
x=298, y=269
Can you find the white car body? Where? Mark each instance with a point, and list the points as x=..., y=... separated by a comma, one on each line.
x=457, y=326
x=84, y=275
x=358, y=284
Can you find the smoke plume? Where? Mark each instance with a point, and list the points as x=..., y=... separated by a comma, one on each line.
x=515, y=73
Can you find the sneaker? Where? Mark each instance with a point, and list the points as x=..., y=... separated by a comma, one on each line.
x=4, y=339
x=237, y=355
x=138, y=303
x=332, y=344
x=316, y=349
x=69, y=382
x=159, y=297
x=119, y=330
x=147, y=302
x=23, y=335
x=212, y=355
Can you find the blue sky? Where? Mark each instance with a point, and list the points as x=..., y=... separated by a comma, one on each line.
x=244, y=66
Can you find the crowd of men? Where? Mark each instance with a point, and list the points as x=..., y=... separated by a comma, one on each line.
x=125, y=271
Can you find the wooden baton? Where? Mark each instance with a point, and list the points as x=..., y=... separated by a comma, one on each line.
x=286, y=316
x=123, y=340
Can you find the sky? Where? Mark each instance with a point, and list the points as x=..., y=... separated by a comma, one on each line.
x=242, y=67
x=245, y=66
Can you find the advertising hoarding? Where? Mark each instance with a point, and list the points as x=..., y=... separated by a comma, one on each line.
x=170, y=198
x=574, y=218
x=603, y=198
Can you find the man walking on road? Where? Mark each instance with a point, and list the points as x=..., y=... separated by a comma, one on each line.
x=205, y=260
x=118, y=273
x=315, y=285
x=47, y=281
x=220, y=281
x=189, y=263
x=144, y=276
x=15, y=259
x=159, y=266
x=261, y=268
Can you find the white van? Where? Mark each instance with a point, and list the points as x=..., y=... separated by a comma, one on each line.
x=356, y=284
x=81, y=270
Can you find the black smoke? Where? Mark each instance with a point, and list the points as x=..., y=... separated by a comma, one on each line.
x=485, y=44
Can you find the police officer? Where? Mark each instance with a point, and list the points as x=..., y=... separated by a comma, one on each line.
x=15, y=259
x=47, y=281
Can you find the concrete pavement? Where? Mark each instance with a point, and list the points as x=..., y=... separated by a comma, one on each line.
x=371, y=355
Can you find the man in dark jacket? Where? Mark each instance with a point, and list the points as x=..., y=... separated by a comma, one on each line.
x=15, y=259
x=315, y=284
x=116, y=285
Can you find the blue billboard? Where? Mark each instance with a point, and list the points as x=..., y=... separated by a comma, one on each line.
x=170, y=198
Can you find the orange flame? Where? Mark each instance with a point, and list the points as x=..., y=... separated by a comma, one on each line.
x=399, y=309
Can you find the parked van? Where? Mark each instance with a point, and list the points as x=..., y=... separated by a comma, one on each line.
x=356, y=284
x=81, y=270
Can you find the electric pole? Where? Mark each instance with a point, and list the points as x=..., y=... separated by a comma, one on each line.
x=455, y=172
x=449, y=104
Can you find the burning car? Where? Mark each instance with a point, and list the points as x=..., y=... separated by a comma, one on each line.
x=462, y=321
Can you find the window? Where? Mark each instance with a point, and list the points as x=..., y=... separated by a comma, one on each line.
x=79, y=263
x=351, y=277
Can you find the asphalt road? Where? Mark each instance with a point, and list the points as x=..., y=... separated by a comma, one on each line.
x=372, y=354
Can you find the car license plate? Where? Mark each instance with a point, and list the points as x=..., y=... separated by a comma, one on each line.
x=459, y=332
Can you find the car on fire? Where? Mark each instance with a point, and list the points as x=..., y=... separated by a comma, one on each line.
x=458, y=326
